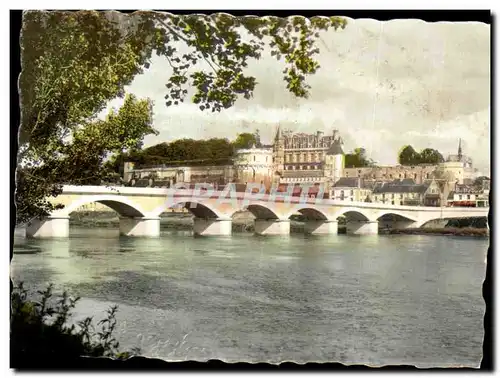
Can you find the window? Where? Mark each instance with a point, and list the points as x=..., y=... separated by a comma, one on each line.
x=468, y=196
x=342, y=193
x=253, y=157
x=347, y=174
x=415, y=176
x=390, y=176
x=266, y=159
x=392, y=202
x=401, y=195
x=352, y=200
x=352, y=192
x=400, y=175
x=460, y=197
x=392, y=196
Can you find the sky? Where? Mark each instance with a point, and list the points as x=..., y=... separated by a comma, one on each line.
x=383, y=85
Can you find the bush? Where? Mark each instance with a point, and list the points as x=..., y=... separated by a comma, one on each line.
x=39, y=330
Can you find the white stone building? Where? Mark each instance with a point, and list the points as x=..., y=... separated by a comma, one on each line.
x=254, y=165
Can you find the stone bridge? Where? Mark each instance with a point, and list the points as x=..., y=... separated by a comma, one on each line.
x=139, y=210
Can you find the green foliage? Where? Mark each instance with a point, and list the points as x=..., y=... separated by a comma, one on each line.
x=358, y=159
x=245, y=140
x=38, y=328
x=214, y=151
x=74, y=63
x=430, y=156
x=478, y=182
x=224, y=44
x=468, y=222
x=408, y=156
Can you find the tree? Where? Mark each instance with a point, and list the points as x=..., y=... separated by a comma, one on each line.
x=430, y=156
x=408, y=156
x=479, y=181
x=244, y=140
x=74, y=63
x=358, y=159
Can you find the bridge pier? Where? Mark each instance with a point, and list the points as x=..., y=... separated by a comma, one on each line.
x=141, y=226
x=272, y=226
x=321, y=227
x=48, y=227
x=362, y=227
x=212, y=226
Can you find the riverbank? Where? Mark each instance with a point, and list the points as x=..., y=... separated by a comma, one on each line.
x=446, y=231
x=244, y=222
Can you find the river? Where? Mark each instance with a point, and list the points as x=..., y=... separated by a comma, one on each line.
x=376, y=300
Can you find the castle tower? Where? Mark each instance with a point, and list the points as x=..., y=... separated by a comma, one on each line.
x=334, y=160
x=279, y=151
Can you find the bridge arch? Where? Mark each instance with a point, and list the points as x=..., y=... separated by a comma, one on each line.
x=197, y=208
x=399, y=215
x=354, y=215
x=121, y=204
x=310, y=213
x=261, y=211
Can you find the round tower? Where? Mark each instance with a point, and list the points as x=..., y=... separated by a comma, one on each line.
x=254, y=165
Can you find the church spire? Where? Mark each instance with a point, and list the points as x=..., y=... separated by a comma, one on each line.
x=278, y=133
x=460, y=148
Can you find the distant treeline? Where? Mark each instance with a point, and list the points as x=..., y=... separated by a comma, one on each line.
x=214, y=151
x=408, y=156
x=220, y=151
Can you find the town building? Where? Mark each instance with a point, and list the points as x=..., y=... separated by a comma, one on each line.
x=470, y=195
x=351, y=189
x=167, y=176
x=418, y=173
x=407, y=192
x=299, y=158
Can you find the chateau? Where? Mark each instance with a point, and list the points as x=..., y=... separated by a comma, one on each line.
x=319, y=159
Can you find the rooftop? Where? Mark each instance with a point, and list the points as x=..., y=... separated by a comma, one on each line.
x=348, y=182
x=335, y=148
x=400, y=186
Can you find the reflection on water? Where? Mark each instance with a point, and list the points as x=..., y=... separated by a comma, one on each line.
x=373, y=300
